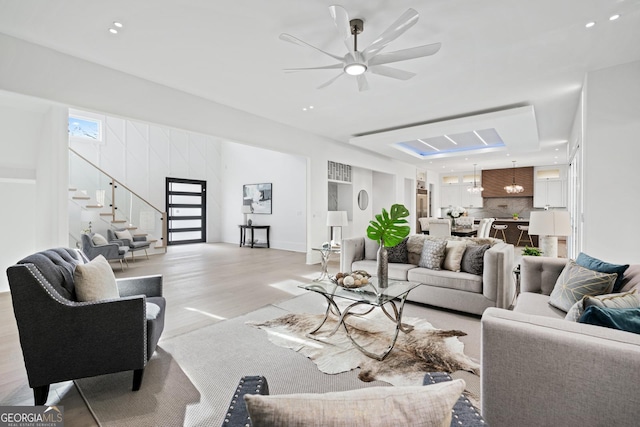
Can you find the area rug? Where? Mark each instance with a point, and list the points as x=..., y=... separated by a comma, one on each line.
x=425, y=349
x=191, y=378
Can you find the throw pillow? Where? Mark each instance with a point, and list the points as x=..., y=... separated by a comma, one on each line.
x=124, y=234
x=592, y=263
x=95, y=281
x=380, y=406
x=432, y=254
x=576, y=282
x=152, y=310
x=399, y=253
x=473, y=259
x=623, y=300
x=624, y=319
x=453, y=254
x=99, y=240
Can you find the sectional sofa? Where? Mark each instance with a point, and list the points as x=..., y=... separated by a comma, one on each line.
x=456, y=290
x=539, y=369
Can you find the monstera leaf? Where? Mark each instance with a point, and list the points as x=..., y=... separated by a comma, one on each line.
x=389, y=229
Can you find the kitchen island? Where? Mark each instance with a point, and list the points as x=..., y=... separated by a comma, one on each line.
x=512, y=231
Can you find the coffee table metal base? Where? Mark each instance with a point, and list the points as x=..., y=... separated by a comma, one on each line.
x=332, y=307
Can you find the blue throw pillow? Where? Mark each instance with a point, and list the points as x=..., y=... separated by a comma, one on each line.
x=592, y=263
x=624, y=319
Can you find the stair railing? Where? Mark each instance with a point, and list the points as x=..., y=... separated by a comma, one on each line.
x=127, y=208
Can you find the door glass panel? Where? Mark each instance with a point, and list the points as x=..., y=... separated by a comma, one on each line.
x=185, y=200
x=187, y=235
x=185, y=223
x=180, y=186
x=185, y=212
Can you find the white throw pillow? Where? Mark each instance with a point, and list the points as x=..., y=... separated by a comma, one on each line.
x=124, y=234
x=99, y=240
x=380, y=406
x=95, y=281
x=453, y=254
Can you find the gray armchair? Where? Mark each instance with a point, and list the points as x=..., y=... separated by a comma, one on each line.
x=63, y=339
x=110, y=251
x=137, y=243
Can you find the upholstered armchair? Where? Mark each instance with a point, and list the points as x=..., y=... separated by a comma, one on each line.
x=63, y=339
x=123, y=237
x=108, y=250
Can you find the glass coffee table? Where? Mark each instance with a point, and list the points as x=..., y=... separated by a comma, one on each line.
x=369, y=296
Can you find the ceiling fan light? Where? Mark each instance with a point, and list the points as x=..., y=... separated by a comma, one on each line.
x=355, y=69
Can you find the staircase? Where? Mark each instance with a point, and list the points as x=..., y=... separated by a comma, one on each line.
x=97, y=201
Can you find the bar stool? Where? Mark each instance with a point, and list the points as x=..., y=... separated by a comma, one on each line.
x=500, y=228
x=524, y=229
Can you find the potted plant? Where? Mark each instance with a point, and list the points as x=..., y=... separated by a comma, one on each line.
x=531, y=251
x=388, y=229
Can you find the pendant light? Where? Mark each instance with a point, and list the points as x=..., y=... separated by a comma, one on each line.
x=476, y=189
x=514, y=188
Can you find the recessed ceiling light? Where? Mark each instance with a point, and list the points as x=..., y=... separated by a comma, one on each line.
x=590, y=24
x=113, y=31
x=508, y=154
x=117, y=24
x=557, y=149
x=614, y=17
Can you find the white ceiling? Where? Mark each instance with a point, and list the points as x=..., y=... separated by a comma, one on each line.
x=496, y=55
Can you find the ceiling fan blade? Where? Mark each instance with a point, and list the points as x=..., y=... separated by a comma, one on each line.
x=405, y=54
x=394, y=73
x=330, y=81
x=402, y=24
x=326, y=67
x=362, y=83
x=291, y=39
x=341, y=19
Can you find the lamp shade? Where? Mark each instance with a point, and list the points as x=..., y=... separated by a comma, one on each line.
x=550, y=223
x=337, y=219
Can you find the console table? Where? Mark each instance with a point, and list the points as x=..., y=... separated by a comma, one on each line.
x=251, y=228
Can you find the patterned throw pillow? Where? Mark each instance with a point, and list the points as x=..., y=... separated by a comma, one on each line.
x=433, y=254
x=592, y=263
x=453, y=255
x=576, y=282
x=623, y=300
x=399, y=253
x=473, y=259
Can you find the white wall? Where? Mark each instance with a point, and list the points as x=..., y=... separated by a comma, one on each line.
x=611, y=173
x=32, y=180
x=241, y=165
x=142, y=155
x=84, y=85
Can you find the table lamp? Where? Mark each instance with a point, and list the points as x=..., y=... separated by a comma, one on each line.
x=336, y=219
x=548, y=225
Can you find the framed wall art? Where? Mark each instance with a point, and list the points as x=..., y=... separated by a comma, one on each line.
x=258, y=197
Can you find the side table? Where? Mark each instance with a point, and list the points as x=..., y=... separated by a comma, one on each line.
x=251, y=228
x=325, y=253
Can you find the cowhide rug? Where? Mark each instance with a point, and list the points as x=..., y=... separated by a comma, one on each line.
x=425, y=349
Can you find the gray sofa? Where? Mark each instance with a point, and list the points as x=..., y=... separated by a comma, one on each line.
x=541, y=370
x=442, y=288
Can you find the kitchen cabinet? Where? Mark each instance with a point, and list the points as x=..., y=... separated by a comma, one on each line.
x=453, y=192
x=550, y=187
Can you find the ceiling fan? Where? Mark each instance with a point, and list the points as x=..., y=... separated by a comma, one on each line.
x=356, y=62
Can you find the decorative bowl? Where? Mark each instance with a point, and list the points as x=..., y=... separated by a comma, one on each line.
x=355, y=279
